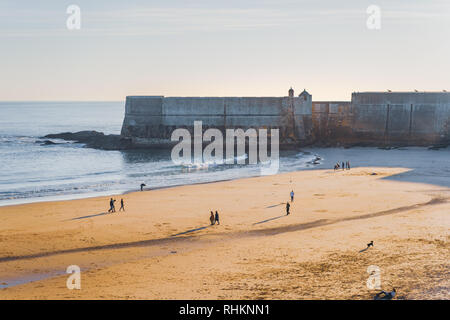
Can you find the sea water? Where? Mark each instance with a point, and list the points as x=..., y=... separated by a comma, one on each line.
x=30, y=171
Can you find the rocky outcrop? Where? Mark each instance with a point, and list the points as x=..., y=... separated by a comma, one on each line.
x=94, y=139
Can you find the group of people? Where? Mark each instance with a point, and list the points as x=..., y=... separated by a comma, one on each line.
x=344, y=166
x=214, y=218
x=112, y=207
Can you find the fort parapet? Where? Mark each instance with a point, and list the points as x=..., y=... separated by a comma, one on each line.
x=370, y=118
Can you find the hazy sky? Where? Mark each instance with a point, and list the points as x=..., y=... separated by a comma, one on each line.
x=221, y=48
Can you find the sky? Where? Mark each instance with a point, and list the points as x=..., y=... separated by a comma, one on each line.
x=221, y=48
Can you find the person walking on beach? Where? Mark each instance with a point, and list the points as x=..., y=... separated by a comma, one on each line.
x=292, y=195
x=216, y=218
x=343, y=166
x=112, y=208
x=142, y=186
x=337, y=166
x=287, y=208
x=348, y=165
x=122, y=206
x=212, y=218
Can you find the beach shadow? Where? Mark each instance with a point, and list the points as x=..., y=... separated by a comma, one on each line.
x=275, y=205
x=267, y=220
x=90, y=216
x=134, y=244
x=364, y=249
x=190, y=231
x=250, y=233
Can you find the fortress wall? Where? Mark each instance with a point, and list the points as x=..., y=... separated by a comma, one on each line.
x=143, y=116
x=331, y=121
x=181, y=112
x=401, y=118
x=253, y=112
x=150, y=120
x=371, y=118
x=221, y=112
x=303, y=118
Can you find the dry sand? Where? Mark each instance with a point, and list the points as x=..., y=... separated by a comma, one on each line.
x=162, y=247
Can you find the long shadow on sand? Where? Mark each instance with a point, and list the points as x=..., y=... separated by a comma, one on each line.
x=134, y=244
x=267, y=220
x=229, y=235
x=90, y=216
x=324, y=222
x=275, y=205
x=190, y=231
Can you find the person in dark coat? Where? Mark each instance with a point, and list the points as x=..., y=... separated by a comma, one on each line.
x=216, y=218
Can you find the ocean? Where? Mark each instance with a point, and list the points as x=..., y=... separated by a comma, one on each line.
x=30, y=171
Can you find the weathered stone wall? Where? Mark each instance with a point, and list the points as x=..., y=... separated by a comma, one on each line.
x=331, y=121
x=371, y=118
x=384, y=119
x=401, y=118
x=150, y=121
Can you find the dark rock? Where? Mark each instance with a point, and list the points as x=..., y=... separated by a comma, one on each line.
x=438, y=146
x=95, y=139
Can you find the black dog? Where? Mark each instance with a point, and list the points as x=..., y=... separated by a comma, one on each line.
x=370, y=244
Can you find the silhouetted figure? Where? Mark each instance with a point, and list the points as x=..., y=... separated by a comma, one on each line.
x=122, y=206
x=348, y=165
x=212, y=218
x=292, y=195
x=112, y=208
x=337, y=166
x=370, y=244
x=142, y=186
x=216, y=218
x=383, y=295
x=287, y=208
x=343, y=166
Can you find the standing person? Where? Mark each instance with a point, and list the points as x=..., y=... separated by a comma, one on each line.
x=287, y=208
x=111, y=203
x=343, y=166
x=348, y=165
x=212, y=218
x=142, y=186
x=292, y=195
x=216, y=218
x=122, y=206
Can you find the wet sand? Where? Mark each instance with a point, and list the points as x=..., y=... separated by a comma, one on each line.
x=162, y=246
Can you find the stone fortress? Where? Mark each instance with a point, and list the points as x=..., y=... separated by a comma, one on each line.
x=383, y=119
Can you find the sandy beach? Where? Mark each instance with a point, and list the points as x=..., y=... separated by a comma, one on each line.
x=163, y=247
